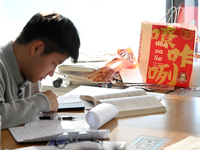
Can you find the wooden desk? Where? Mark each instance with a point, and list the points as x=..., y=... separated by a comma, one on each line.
x=181, y=120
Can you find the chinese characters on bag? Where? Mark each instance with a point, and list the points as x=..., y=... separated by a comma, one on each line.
x=171, y=55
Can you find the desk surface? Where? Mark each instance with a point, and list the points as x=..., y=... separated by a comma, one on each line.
x=181, y=120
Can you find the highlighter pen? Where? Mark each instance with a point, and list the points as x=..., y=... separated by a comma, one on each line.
x=65, y=118
x=46, y=117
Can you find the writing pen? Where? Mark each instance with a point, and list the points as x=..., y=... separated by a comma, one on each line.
x=66, y=118
x=46, y=117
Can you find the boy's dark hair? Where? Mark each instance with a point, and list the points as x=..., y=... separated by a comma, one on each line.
x=57, y=32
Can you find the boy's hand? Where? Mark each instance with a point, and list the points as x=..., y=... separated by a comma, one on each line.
x=52, y=97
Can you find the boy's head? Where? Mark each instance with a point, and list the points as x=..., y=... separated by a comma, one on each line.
x=57, y=33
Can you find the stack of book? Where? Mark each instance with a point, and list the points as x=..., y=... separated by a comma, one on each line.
x=75, y=73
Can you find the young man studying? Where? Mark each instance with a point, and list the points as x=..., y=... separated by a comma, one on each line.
x=45, y=42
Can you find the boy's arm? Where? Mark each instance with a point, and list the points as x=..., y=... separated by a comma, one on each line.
x=16, y=112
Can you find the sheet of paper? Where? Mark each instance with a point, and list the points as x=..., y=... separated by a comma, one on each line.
x=189, y=143
x=22, y=134
x=146, y=143
x=74, y=98
x=36, y=148
x=87, y=90
x=131, y=76
x=70, y=98
x=37, y=133
x=107, y=145
x=78, y=123
x=44, y=130
x=39, y=128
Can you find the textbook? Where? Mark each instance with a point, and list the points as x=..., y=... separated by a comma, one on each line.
x=130, y=102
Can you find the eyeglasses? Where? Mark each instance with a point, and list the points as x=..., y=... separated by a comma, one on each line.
x=74, y=137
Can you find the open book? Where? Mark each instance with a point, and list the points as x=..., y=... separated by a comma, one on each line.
x=130, y=102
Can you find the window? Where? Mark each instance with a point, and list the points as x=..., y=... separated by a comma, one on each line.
x=191, y=10
x=103, y=25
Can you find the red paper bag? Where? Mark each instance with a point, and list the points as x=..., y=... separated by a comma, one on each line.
x=166, y=53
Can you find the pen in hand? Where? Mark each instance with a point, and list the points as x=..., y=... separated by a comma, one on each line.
x=65, y=118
